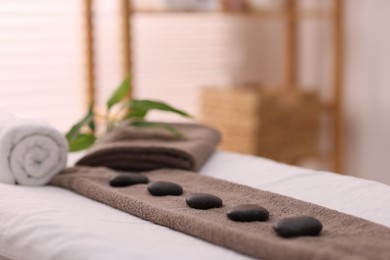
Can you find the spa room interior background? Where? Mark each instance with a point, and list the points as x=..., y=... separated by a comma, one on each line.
x=47, y=50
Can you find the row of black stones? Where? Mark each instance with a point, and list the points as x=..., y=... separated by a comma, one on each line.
x=286, y=227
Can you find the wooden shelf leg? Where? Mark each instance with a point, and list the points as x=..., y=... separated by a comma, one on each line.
x=89, y=52
x=291, y=67
x=125, y=19
x=338, y=122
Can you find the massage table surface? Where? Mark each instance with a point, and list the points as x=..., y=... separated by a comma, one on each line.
x=54, y=223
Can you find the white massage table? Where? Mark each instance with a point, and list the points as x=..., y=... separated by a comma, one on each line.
x=53, y=223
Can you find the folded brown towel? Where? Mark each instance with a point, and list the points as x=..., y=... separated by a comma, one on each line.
x=343, y=236
x=137, y=149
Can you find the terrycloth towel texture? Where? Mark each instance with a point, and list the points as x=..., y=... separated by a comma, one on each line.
x=142, y=149
x=343, y=236
x=31, y=151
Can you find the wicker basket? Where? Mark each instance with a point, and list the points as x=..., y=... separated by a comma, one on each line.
x=280, y=125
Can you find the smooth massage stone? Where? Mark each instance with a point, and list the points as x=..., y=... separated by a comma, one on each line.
x=129, y=179
x=203, y=201
x=164, y=188
x=248, y=212
x=298, y=226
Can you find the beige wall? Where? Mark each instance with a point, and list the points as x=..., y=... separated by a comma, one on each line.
x=368, y=88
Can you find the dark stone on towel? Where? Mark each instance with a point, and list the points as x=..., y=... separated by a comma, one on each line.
x=344, y=236
x=248, y=212
x=125, y=180
x=298, y=226
x=164, y=188
x=203, y=201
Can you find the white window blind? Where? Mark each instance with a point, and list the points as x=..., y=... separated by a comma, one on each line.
x=107, y=47
x=175, y=55
x=41, y=60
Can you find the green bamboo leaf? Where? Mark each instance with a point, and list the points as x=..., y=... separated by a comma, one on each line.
x=81, y=142
x=169, y=128
x=92, y=124
x=87, y=120
x=146, y=105
x=133, y=113
x=120, y=93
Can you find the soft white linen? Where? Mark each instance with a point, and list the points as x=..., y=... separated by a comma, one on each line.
x=52, y=223
x=31, y=151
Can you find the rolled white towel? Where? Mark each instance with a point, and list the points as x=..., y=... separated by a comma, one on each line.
x=31, y=151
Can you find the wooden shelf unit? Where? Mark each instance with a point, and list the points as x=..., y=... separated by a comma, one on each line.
x=292, y=15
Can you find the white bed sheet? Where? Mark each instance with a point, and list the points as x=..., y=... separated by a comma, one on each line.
x=53, y=223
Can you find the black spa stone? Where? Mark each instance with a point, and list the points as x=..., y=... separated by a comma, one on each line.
x=128, y=179
x=203, y=201
x=248, y=212
x=298, y=226
x=164, y=188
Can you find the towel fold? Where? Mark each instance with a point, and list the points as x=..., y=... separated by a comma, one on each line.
x=31, y=151
x=142, y=149
x=343, y=236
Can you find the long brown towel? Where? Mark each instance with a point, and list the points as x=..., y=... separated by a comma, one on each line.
x=135, y=149
x=343, y=236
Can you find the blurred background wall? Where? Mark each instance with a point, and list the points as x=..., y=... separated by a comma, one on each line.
x=41, y=60
x=42, y=71
x=368, y=89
